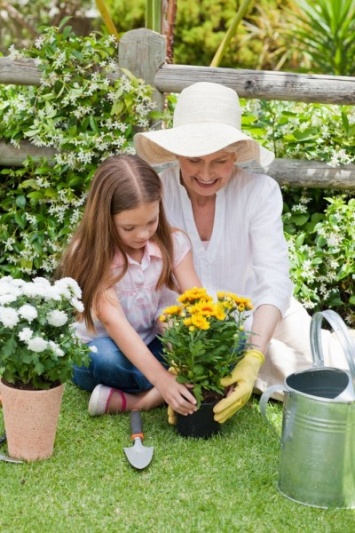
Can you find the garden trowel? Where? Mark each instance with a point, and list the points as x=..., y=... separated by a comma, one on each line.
x=6, y=458
x=138, y=455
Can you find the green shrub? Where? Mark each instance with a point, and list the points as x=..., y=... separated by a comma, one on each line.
x=323, y=259
x=85, y=118
x=298, y=130
x=319, y=224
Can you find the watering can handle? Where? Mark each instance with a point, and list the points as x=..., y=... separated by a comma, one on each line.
x=265, y=397
x=341, y=331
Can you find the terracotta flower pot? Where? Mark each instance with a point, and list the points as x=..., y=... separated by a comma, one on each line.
x=200, y=424
x=30, y=418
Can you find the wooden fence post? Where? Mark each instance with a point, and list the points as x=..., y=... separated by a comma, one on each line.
x=142, y=52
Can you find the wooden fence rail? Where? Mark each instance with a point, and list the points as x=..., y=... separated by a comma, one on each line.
x=142, y=52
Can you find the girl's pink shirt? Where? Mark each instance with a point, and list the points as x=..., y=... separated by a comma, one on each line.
x=137, y=293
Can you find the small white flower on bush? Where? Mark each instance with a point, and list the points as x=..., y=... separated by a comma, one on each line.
x=57, y=318
x=43, y=355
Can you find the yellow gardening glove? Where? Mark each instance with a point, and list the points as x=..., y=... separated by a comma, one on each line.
x=171, y=413
x=243, y=377
x=171, y=416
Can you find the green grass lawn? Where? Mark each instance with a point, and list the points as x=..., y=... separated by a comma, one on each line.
x=225, y=484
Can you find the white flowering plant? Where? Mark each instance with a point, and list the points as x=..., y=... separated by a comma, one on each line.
x=38, y=342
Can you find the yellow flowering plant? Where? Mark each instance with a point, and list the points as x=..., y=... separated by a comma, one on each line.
x=203, y=338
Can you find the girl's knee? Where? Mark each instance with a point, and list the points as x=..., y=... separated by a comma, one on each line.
x=107, y=355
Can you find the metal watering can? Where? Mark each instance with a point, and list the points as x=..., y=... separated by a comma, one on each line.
x=317, y=456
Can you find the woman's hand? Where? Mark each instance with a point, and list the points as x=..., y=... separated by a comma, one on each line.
x=240, y=384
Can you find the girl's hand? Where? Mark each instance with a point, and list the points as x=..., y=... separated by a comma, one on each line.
x=176, y=394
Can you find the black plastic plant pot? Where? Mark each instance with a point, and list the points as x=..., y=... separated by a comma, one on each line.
x=200, y=424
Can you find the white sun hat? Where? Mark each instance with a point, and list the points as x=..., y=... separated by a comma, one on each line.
x=207, y=119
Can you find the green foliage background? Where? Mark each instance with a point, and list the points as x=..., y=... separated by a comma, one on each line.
x=291, y=35
x=41, y=204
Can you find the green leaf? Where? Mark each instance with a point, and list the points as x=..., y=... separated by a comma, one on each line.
x=93, y=124
x=21, y=201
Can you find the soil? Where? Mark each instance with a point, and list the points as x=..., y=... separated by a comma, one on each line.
x=211, y=396
x=28, y=386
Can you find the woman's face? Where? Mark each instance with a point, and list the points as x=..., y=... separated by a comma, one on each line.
x=204, y=176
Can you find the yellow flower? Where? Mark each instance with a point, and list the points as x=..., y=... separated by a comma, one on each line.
x=192, y=309
x=248, y=305
x=193, y=295
x=227, y=304
x=205, y=308
x=187, y=322
x=173, y=310
x=200, y=322
x=219, y=312
x=162, y=318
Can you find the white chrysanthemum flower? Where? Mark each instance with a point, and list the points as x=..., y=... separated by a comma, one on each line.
x=77, y=304
x=28, y=312
x=8, y=287
x=37, y=344
x=52, y=293
x=93, y=349
x=9, y=317
x=33, y=289
x=17, y=282
x=7, y=299
x=25, y=334
x=56, y=349
x=57, y=318
x=70, y=284
x=42, y=281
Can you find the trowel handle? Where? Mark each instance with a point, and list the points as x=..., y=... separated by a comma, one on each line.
x=265, y=397
x=136, y=425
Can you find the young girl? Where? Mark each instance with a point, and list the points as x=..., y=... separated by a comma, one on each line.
x=127, y=261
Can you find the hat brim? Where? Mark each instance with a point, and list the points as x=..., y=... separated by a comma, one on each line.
x=198, y=140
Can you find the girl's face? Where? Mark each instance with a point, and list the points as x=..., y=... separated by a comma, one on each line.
x=136, y=226
x=204, y=176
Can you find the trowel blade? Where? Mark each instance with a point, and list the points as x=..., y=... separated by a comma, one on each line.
x=138, y=455
x=8, y=459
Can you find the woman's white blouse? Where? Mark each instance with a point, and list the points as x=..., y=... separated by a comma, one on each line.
x=247, y=253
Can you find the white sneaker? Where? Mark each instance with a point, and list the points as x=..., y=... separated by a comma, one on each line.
x=99, y=399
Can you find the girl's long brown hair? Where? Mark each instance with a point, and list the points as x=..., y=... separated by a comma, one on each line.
x=120, y=183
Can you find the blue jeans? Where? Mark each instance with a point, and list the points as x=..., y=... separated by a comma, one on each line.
x=110, y=367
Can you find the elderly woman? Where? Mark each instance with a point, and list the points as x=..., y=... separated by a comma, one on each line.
x=233, y=218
